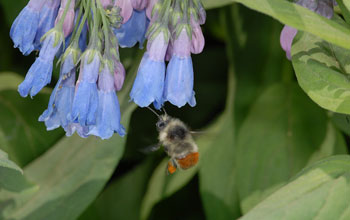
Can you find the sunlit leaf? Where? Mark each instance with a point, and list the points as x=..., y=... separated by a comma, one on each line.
x=321, y=191
x=323, y=72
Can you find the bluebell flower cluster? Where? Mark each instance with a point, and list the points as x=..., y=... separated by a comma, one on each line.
x=173, y=34
x=85, y=36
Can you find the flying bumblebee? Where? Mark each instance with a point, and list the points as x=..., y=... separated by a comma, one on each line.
x=178, y=143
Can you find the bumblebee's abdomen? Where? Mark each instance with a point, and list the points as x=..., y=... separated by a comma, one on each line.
x=177, y=132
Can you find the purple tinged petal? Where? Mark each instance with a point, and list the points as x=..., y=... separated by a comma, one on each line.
x=309, y=4
x=325, y=8
x=119, y=76
x=198, y=40
x=149, y=8
x=126, y=9
x=178, y=88
x=182, y=45
x=157, y=48
x=286, y=39
x=149, y=83
x=133, y=31
x=106, y=80
x=106, y=3
x=139, y=4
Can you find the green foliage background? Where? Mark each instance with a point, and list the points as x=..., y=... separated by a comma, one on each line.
x=275, y=138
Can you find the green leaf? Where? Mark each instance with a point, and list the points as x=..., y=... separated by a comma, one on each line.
x=123, y=194
x=323, y=72
x=283, y=131
x=71, y=174
x=298, y=17
x=321, y=191
x=11, y=175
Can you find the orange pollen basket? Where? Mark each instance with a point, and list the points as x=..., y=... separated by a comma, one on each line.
x=189, y=161
x=171, y=168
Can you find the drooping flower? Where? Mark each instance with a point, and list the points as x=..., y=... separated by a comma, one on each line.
x=25, y=26
x=47, y=19
x=61, y=99
x=108, y=112
x=178, y=88
x=86, y=97
x=39, y=74
x=149, y=83
x=322, y=7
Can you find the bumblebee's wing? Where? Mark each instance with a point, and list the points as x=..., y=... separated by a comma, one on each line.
x=150, y=149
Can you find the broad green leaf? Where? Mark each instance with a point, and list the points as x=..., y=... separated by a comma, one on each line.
x=321, y=191
x=323, y=72
x=11, y=175
x=298, y=17
x=282, y=131
x=70, y=174
x=122, y=198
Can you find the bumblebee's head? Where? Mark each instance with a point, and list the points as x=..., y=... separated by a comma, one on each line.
x=162, y=122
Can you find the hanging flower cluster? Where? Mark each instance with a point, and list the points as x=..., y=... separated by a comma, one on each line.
x=85, y=36
x=321, y=7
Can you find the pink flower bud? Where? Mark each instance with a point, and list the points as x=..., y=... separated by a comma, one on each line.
x=126, y=9
x=198, y=41
x=119, y=76
x=69, y=19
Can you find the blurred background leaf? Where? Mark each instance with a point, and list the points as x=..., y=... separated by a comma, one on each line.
x=11, y=175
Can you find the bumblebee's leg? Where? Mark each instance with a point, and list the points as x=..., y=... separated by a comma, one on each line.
x=171, y=167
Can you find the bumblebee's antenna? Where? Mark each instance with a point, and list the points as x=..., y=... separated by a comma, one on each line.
x=153, y=111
